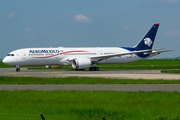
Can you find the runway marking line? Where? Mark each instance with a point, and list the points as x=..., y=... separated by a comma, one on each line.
x=51, y=72
x=14, y=73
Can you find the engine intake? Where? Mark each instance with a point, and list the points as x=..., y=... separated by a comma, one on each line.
x=81, y=63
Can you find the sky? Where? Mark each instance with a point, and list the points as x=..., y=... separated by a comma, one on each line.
x=88, y=23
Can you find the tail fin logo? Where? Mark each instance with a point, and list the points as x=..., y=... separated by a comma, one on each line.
x=147, y=41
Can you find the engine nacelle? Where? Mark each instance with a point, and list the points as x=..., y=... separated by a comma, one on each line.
x=81, y=63
x=53, y=66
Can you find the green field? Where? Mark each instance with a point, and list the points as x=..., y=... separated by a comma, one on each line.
x=92, y=105
x=80, y=80
x=86, y=105
x=170, y=71
x=143, y=64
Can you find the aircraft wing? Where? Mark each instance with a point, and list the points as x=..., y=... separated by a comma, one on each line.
x=102, y=57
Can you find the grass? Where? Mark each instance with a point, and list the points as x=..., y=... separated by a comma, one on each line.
x=146, y=64
x=86, y=105
x=143, y=64
x=170, y=71
x=2, y=65
x=81, y=80
x=92, y=105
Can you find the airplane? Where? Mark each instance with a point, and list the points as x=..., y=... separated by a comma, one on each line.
x=87, y=57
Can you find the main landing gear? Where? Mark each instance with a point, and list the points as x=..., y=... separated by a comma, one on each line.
x=94, y=69
x=17, y=68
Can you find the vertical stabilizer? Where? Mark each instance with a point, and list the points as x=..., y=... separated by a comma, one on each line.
x=148, y=40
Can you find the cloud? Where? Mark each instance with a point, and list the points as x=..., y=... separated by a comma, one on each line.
x=28, y=29
x=81, y=19
x=11, y=15
x=169, y=1
x=124, y=28
x=172, y=33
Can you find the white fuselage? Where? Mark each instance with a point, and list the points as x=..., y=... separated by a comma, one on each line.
x=59, y=56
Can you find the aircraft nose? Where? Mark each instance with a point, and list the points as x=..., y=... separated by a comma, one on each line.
x=5, y=60
x=9, y=60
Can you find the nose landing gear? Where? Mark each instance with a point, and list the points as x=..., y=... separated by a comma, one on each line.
x=17, y=68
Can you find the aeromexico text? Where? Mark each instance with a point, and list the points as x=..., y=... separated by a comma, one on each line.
x=45, y=51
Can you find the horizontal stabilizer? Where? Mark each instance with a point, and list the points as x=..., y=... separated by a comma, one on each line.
x=157, y=52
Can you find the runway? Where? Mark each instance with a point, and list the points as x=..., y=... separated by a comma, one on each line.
x=96, y=87
x=118, y=74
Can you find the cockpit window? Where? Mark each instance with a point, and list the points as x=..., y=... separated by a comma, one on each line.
x=10, y=55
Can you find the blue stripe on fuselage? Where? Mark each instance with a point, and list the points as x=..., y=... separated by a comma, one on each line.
x=141, y=55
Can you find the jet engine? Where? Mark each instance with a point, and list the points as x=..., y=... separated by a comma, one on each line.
x=81, y=63
x=53, y=66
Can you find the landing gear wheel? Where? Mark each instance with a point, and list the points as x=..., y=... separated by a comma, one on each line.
x=94, y=69
x=18, y=69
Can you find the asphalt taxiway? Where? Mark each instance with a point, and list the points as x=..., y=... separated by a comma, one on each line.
x=118, y=74
x=96, y=87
